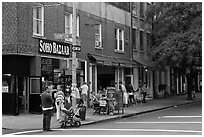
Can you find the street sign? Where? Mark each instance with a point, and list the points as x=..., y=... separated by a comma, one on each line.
x=76, y=48
x=62, y=36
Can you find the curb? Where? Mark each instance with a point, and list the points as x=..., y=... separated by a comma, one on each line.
x=121, y=116
x=134, y=114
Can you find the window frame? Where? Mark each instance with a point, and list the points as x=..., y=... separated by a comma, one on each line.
x=149, y=35
x=41, y=7
x=142, y=40
x=118, y=39
x=98, y=34
x=70, y=25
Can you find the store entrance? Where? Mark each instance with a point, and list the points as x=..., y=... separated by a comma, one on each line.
x=22, y=96
x=106, y=77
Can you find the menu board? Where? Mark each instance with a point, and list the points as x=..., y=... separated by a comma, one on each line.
x=46, y=66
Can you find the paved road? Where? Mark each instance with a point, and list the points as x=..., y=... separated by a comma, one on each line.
x=182, y=120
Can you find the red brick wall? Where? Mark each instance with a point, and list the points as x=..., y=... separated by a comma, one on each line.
x=18, y=29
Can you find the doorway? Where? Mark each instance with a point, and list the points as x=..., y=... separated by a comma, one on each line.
x=105, y=77
x=22, y=95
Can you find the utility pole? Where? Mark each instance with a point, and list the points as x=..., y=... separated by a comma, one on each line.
x=74, y=56
x=74, y=44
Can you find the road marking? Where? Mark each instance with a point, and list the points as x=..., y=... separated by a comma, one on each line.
x=160, y=122
x=161, y=130
x=181, y=117
x=24, y=132
x=128, y=130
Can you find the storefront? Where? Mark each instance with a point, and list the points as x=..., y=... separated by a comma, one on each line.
x=105, y=71
x=23, y=77
x=15, y=82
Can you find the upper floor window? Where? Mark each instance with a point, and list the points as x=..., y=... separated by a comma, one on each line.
x=98, y=36
x=134, y=32
x=38, y=20
x=119, y=39
x=141, y=40
x=148, y=42
x=69, y=25
x=134, y=8
x=142, y=10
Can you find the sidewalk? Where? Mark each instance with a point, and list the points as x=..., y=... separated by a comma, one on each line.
x=34, y=121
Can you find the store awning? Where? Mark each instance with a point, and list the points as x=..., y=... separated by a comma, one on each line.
x=127, y=62
x=103, y=60
x=145, y=63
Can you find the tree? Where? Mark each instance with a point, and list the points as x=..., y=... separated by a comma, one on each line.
x=177, y=35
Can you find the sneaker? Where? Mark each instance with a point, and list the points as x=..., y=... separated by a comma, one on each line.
x=49, y=130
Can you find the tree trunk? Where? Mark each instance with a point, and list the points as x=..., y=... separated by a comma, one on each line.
x=190, y=80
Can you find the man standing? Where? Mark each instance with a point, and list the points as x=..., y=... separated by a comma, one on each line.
x=144, y=92
x=47, y=106
x=84, y=92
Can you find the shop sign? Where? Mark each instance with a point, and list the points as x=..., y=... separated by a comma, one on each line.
x=54, y=47
x=5, y=89
x=110, y=93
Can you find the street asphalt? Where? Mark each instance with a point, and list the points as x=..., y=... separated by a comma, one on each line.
x=34, y=121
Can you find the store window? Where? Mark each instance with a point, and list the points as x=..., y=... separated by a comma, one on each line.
x=6, y=83
x=38, y=20
x=120, y=75
x=35, y=85
x=98, y=36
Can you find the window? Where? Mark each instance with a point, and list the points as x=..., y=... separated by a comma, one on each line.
x=38, y=21
x=98, y=36
x=119, y=39
x=141, y=40
x=142, y=9
x=35, y=85
x=134, y=8
x=148, y=42
x=134, y=38
x=68, y=24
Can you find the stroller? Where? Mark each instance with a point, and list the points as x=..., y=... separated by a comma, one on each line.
x=71, y=117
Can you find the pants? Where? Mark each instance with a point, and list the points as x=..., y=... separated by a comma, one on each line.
x=58, y=105
x=47, y=114
x=144, y=96
x=84, y=97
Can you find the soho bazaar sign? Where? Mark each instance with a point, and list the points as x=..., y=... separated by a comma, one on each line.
x=54, y=47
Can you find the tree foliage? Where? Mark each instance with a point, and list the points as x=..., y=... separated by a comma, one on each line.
x=177, y=33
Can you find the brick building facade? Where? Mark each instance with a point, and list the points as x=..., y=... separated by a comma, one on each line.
x=33, y=55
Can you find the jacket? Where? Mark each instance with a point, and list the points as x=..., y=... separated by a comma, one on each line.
x=47, y=101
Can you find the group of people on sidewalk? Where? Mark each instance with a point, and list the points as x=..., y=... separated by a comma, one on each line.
x=131, y=96
x=56, y=100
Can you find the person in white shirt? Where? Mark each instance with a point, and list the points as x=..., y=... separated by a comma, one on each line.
x=125, y=94
x=84, y=92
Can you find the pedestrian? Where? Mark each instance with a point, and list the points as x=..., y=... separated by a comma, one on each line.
x=130, y=90
x=200, y=85
x=59, y=102
x=125, y=94
x=144, y=92
x=47, y=106
x=75, y=95
x=84, y=92
x=53, y=92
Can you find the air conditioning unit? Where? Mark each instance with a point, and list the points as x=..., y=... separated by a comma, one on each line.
x=97, y=43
